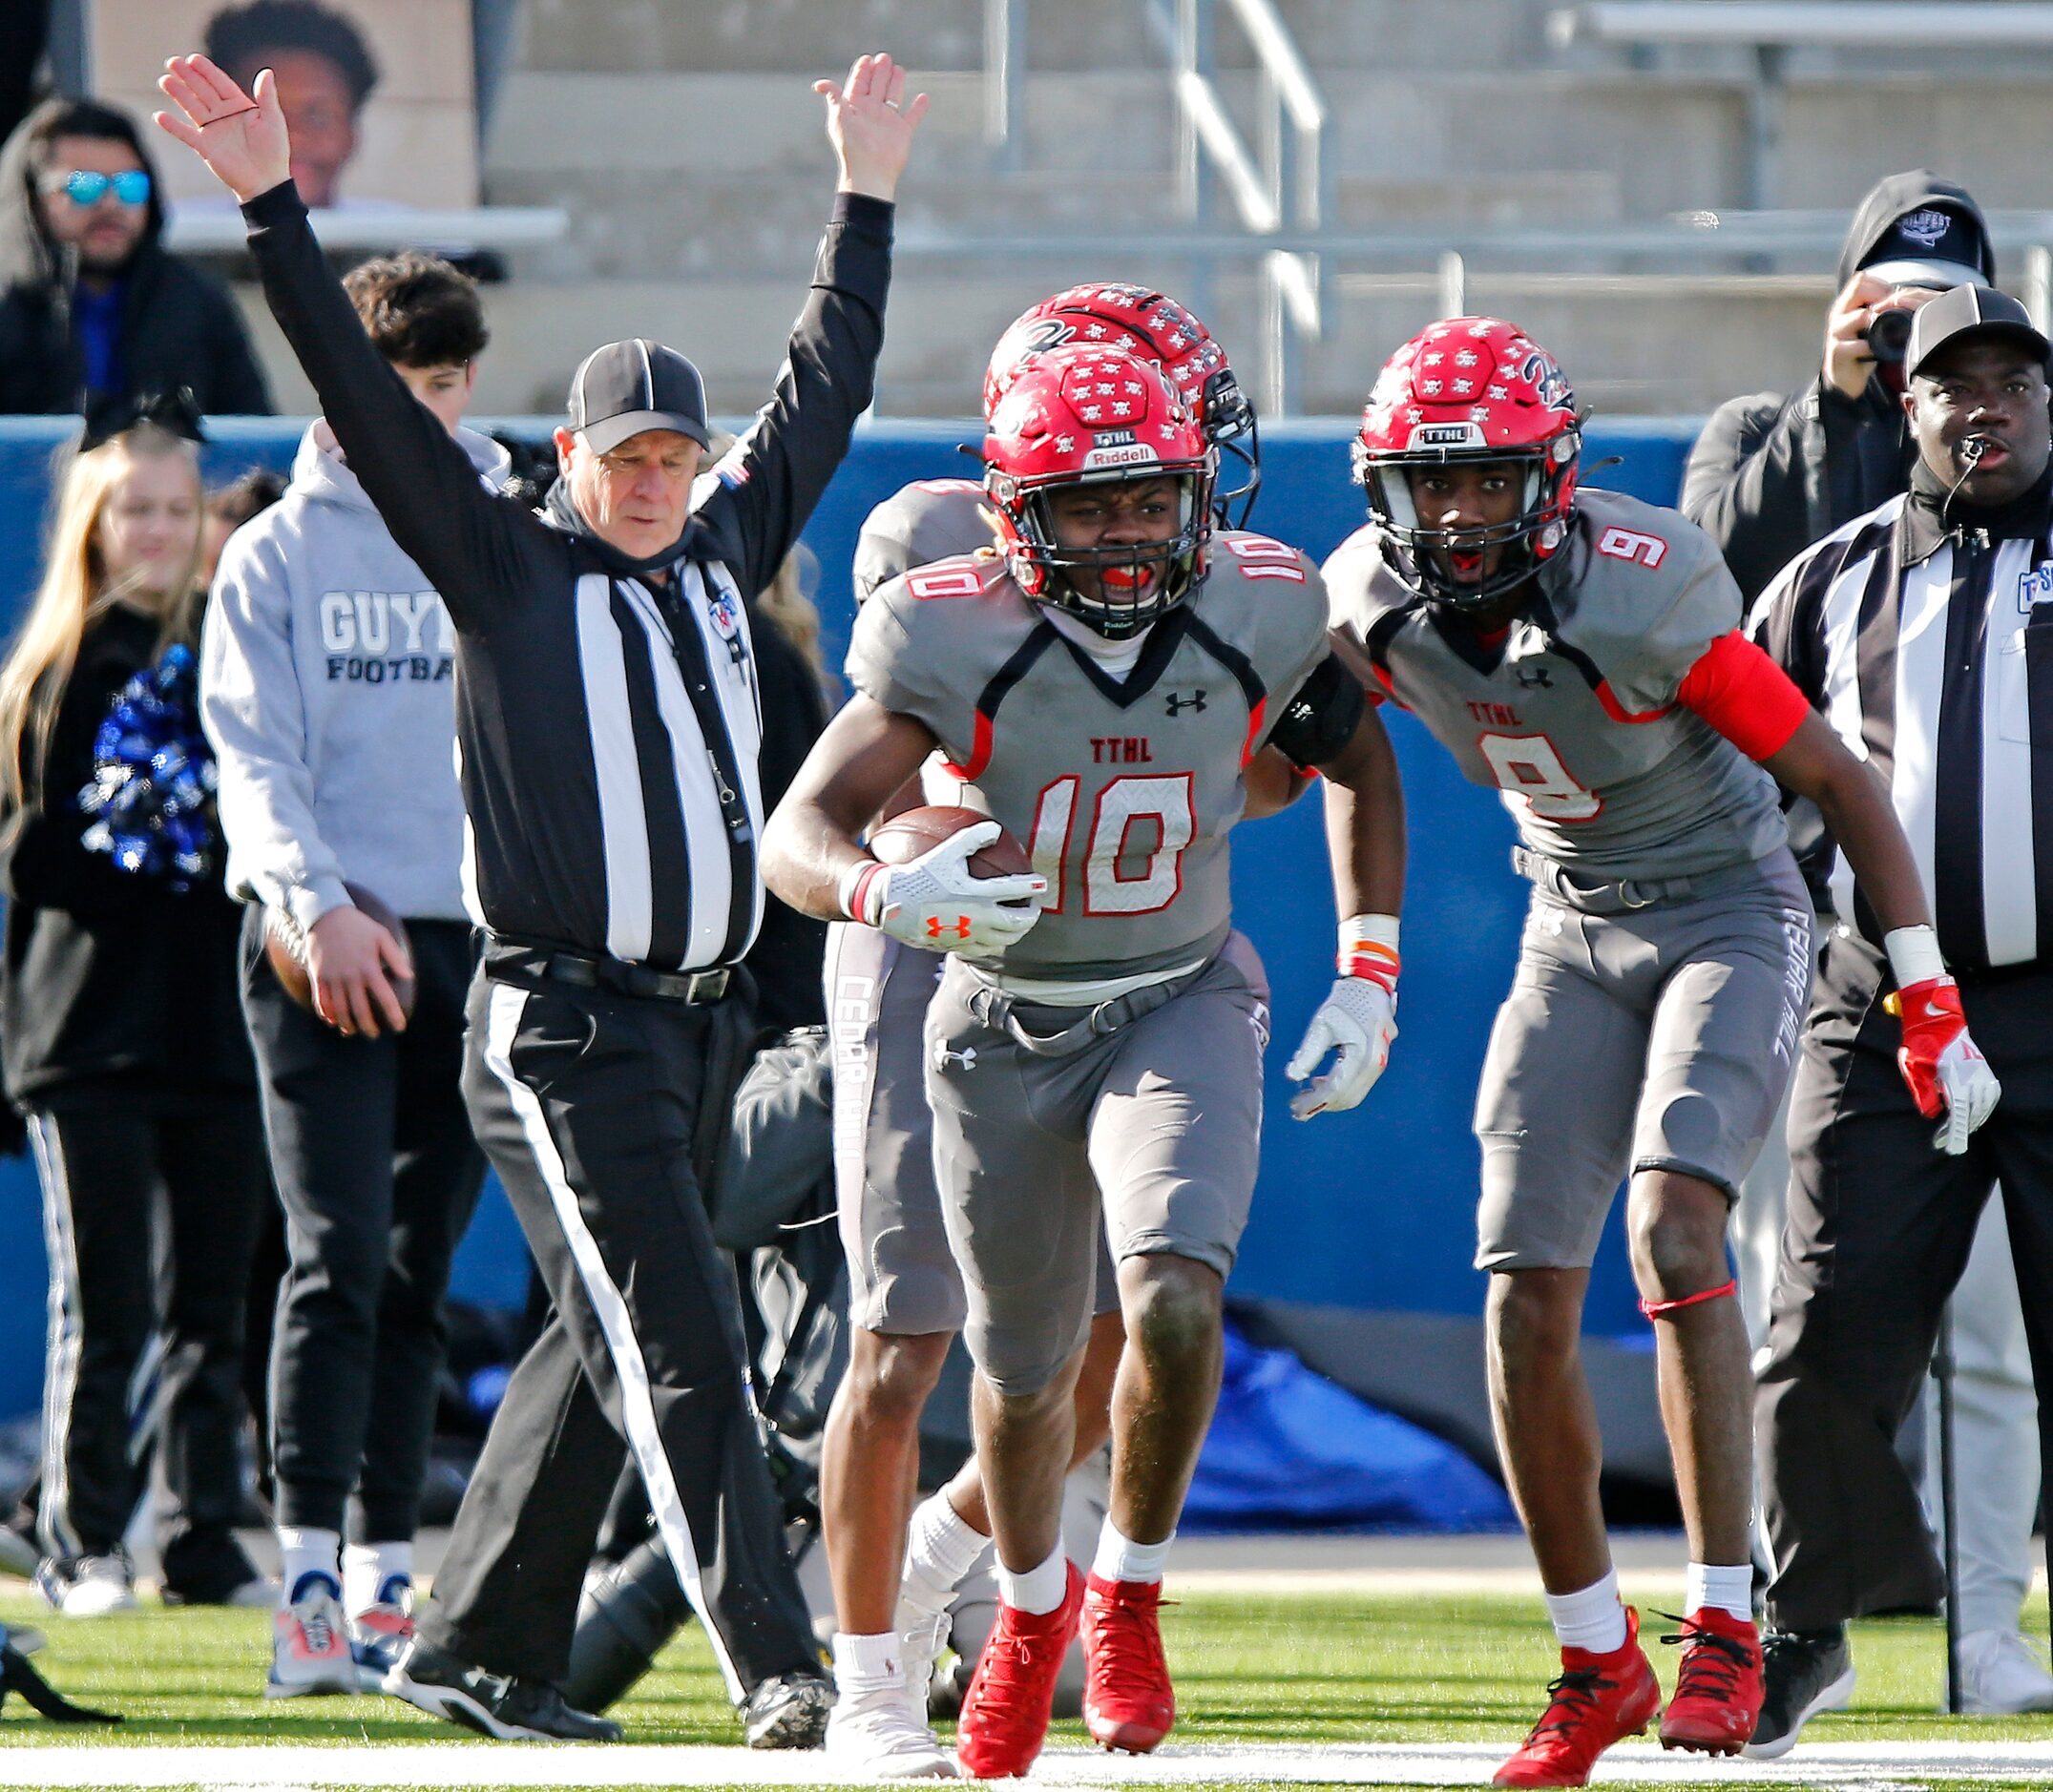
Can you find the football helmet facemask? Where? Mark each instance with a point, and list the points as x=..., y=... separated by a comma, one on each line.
x=1096, y=416
x=1473, y=389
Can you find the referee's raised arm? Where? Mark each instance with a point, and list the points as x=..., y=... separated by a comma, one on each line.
x=424, y=485
x=775, y=473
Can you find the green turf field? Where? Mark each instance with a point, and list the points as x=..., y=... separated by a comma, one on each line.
x=1306, y=1668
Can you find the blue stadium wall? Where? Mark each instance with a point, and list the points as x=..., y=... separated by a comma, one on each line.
x=1369, y=1209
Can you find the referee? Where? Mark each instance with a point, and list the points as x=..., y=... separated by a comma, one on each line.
x=1923, y=631
x=607, y=727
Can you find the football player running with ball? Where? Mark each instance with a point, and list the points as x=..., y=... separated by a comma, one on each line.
x=1094, y=1056
x=1577, y=650
x=895, y=1582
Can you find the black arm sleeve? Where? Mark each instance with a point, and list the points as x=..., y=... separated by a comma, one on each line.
x=1747, y=484
x=776, y=473
x=468, y=540
x=1321, y=718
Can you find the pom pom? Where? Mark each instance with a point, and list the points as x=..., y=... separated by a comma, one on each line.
x=150, y=802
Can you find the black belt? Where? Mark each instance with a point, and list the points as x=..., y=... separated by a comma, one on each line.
x=696, y=986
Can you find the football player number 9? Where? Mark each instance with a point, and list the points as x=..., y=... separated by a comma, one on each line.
x=1133, y=860
x=1528, y=766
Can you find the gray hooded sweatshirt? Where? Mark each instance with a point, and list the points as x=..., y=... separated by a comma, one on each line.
x=328, y=686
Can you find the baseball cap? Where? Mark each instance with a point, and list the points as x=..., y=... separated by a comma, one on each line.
x=625, y=388
x=1934, y=245
x=1980, y=312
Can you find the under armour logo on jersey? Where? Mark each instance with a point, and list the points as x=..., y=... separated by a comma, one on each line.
x=1535, y=677
x=943, y=1057
x=938, y=928
x=1176, y=702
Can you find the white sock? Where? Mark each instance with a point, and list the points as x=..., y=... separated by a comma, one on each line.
x=862, y=1663
x=304, y=1550
x=1039, y=1591
x=1592, y=1620
x=366, y=1569
x=941, y=1548
x=1121, y=1558
x=1724, y=1589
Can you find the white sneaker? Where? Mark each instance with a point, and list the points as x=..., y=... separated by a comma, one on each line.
x=921, y=1638
x=880, y=1735
x=89, y=1586
x=2002, y=1674
x=310, y=1642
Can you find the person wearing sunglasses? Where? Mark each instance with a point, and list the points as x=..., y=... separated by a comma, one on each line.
x=93, y=308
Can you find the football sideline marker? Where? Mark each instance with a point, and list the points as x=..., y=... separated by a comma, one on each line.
x=278, y=1767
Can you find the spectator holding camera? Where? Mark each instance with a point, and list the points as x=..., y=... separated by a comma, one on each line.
x=92, y=307
x=327, y=685
x=119, y=1031
x=1772, y=475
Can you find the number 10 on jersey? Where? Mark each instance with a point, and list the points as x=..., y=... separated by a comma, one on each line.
x=1132, y=862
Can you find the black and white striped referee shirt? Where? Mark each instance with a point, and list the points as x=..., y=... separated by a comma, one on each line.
x=607, y=720
x=1930, y=650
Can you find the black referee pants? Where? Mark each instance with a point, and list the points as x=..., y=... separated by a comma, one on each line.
x=151, y=1198
x=589, y=1105
x=1878, y=1231
x=378, y=1174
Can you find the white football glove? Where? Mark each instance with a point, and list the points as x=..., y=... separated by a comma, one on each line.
x=1357, y=1021
x=936, y=903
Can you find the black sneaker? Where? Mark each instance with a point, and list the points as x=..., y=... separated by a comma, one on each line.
x=789, y=1711
x=1803, y=1673
x=507, y=1706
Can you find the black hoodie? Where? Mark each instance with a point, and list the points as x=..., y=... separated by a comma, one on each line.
x=179, y=326
x=1769, y=474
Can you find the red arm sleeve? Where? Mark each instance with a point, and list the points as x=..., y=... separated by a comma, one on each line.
x=1743, y=695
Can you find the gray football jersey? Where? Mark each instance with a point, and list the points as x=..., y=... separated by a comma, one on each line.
x=1122, y=790
x=928, y=520
x=1574, y=717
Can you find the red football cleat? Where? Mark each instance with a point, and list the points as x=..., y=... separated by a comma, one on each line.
x=1128, y=1704
x=1717, y=1697
x=1598, y=1700
x=1004, y=1715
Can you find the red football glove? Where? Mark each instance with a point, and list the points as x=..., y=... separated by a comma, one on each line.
x=1947, y=1072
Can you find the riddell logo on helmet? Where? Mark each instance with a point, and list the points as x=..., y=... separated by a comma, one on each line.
x=1447, y=435
x=1128, y=454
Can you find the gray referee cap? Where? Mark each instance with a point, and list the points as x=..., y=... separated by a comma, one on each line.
x=1978, y=313
x=625, y=388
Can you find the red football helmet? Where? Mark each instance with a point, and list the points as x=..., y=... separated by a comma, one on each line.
x=1154, y=326
x=1471, y=390
x=1083, y=416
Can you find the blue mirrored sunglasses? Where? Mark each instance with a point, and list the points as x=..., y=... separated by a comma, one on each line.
x=83, y=187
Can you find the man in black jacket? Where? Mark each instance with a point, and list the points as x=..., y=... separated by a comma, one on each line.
x=1769, y=474
x=92, y=307
x=608, y=733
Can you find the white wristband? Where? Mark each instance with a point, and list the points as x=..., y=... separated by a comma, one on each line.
x=1913, y=955
x=845, y=890
x=1377, y=930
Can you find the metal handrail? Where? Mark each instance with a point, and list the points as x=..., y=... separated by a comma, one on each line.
x=1843, y=23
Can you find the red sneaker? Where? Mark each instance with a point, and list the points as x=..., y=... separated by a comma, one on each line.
x=1128, y=1704
x=1717, y=1697
x=1004, y=1718
x=1597, y=1699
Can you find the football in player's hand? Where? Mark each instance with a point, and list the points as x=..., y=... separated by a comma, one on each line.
x=285, y=945
x=916, y=831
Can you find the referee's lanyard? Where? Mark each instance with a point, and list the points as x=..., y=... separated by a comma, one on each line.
x=687, y=646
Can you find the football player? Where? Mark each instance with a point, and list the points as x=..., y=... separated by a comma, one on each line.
x=895, y=1583
x=1575, y=650
x=1094, y=1056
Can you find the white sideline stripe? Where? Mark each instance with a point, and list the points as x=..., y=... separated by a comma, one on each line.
x=483, y=1765
x=630, y=1369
